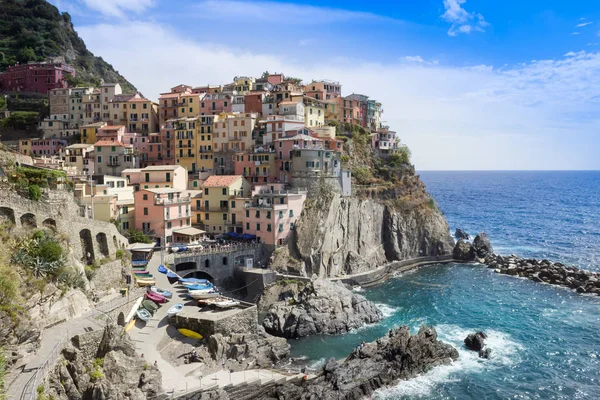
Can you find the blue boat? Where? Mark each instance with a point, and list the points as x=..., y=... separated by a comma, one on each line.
x=162, y=269
x=193, y=280
x=173, y=277
x=139, y=263
x=199, y=287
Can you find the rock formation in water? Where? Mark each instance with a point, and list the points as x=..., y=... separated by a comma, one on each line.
x=460, y=234
x=482, y=245
x=545, y=271
x=102, y=365
x=475, y=341
x=479, y=249
x=321, y=306
x=398, y=355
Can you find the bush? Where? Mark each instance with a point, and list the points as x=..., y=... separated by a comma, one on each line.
x=345, y=158
x=120, y=254
x=96, y=374
x=362, y=175
x=90, y=272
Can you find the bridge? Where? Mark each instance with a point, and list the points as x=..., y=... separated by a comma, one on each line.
x=217, y=264
x=60, y=213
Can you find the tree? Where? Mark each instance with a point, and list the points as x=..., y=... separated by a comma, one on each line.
x=26, y=54
x=265, y=75
x=137, y=236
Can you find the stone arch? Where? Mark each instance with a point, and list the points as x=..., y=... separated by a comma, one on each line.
x=102, y=243
x=186, y=266
x=49, y=223
x=28, y=220
x=201, y=275
x=7, y=214
x=87, y=246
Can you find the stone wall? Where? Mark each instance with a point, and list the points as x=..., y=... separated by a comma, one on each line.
x=61, y=213
x=244, y=321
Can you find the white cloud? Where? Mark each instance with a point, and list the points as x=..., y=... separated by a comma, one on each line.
x=420, y=60
x=462, y=21
x=538, y=115
x=118, y=8
x=581, y=25
x=574, y=33
x=279, y=13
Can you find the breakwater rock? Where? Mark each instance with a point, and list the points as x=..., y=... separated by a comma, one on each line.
x=546, y=271
x=321, y=306
x=398, y=355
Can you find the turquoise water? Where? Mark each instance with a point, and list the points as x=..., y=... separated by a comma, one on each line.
x=545, y=341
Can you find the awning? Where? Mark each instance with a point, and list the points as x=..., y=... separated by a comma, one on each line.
x=189, y=231
x=141, y=247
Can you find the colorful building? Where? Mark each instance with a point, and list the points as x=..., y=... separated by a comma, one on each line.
x=272, y=213
x=223, y=203
x=158, y=176
x=323, y=90
x=233, y=131
x=314, y=112
x=37, y=77
x=114, y=157
x=41, y=147
x=258, y=166
x=80, y=157
x=88, y=132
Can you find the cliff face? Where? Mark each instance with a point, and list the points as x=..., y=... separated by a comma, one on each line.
x=338, y=235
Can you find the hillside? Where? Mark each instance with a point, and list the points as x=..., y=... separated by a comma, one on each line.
x=31, y=30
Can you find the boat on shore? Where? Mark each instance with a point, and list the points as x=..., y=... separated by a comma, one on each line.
x=183, y=281
x=200, y=295
x=198, y=286
x=160, y=291
x=189, y=333
x=143, y=314
x=155, y=297
x=150, y=306
x=162, y=269
x=176, y=309
x=136, y=305
x=227, y=303
x=145, y=282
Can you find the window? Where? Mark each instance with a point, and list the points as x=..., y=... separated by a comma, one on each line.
x=248, y=214
x=268, y=214
x=280, y=227
x=169, y=225
x=224, y=191
x=168, y=177
x=224, y=260
x=99, y=159
x=258, y=227
x=247, y=226
x=268, y=227
x=145, y=197
x=125, y=225
x=291, y=213
x=280, y=214
x=145, y=210
x=125, y=210
x=206, y=216
x=206, y=191
x=233, y=204
x=257, y=214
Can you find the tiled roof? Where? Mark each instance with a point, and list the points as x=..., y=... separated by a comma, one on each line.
x=160, y=167
x=221, y=180
x=168, y=95
x=112, y=127
x=302, y=137
x=122, y=97
x=110, y=143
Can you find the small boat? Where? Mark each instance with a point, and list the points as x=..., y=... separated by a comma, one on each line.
x=160, y=291
x=162, y=269
x=139, y=263
x=193, y=280
x=145, y=282
x=143, y=314
x=136, y=305
x=155, y=297
x=175, y=309
x=199, y=287
x=228, y=303
x=141, y=273
x=173, y=277
x=189, y=333
x=203, y=294
x=150, y=306
x=130, y=325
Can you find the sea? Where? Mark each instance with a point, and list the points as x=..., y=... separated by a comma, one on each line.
x=545, y=340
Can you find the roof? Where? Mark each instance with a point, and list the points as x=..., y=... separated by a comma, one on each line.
x=110, y=143
x=79, y=146
x=288, y=102
x=108, y=84
x=122, y=97
x=221, y=180
x=112, y=127
x=95, y=124
x=142, y=247
x=138, y=100
x=168, y=95
x=161, y=167
x=130, y=170
x=189, y=231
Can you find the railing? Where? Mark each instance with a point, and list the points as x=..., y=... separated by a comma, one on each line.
x=168, y=217
x=178, y=200
x=214, y=249
x=30, y=390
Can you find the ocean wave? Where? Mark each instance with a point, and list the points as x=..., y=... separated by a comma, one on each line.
x=386, y=310
x=505, y=351
x=358, y=289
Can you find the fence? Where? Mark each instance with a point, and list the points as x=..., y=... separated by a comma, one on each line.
x=196, y=251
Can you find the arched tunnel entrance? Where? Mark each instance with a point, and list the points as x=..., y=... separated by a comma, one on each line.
x=28, y=220
x=7, y=215
x=102, y=243
x=49, y=223
x=87, y=246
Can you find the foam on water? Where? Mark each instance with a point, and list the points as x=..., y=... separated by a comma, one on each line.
x=505, y=351
x=358, y=289
x=386, y=310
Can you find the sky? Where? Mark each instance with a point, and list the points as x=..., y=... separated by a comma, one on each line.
x=467, y=84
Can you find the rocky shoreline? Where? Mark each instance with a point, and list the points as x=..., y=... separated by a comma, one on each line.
x=543, y=271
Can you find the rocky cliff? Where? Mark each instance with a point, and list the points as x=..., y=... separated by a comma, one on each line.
x=347, y=235
x=321, y=306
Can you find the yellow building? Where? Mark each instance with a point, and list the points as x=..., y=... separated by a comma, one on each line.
x=243, y=84
x=135, y=112
x=314, y=112
x=233, y=131
x=25, y=147
x=88, y=132
x=189, y=105
x=223, y=200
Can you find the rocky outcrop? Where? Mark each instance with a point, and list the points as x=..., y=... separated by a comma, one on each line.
x=547, y=272
x=460, y=234
x=463, y=251
x=102, y=365
x=475, y=341
x=398, y=355
x=322, y=306
x=482, y=245
x=345, y=235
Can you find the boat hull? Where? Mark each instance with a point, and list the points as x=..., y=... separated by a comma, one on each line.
x=190, y=334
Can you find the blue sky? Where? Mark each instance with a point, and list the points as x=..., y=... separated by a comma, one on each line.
x=467, y=84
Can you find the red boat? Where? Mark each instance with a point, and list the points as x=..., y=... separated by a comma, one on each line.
x=155, y=297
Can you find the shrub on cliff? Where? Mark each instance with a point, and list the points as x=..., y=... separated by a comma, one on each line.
x=35, y=193
x=137, y=236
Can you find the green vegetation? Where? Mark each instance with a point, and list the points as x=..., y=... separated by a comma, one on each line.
x=400, y=158
x=35, y=193
x=137, y=236
x=21, y=120
x=362, y=175
x=32, y=30
x=120, y=254
x=2, y=102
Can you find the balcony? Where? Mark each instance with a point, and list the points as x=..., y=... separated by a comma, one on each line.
x=201, y=150
x=177, y=200
x=114, y=163
x=169, y=217
x=236, y=224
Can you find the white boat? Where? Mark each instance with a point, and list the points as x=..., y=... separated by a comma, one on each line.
x=203, y=294
x=226, y=303
x=175, y=309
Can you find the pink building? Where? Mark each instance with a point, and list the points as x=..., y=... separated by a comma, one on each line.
x=258, y=167
x=272, y=213
x=42, y=147
x=113, y=133
x=36, y=77
x=165, y=214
